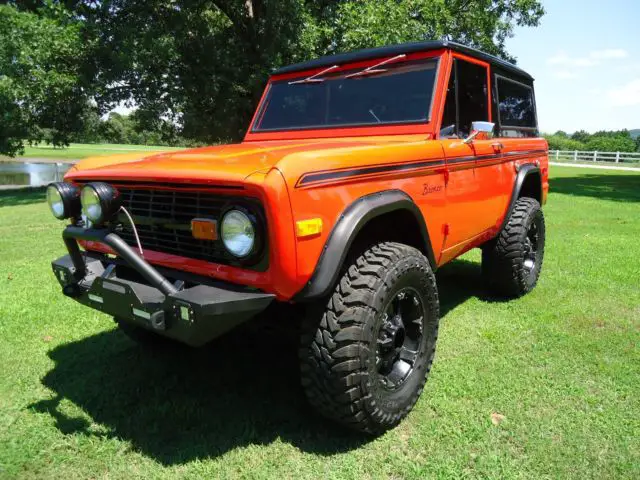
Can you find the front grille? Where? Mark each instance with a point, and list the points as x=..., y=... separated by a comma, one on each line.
x=163, y=220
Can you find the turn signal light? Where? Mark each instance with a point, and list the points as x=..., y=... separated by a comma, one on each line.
x=307, y=228
x=204, y=229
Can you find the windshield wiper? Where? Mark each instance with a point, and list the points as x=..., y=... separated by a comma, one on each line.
x=313, y=78
x=373, y=69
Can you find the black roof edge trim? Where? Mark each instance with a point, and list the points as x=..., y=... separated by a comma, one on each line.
x=391, y=50
x=349, y=224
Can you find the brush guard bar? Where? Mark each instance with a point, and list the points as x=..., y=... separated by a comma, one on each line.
x=192, y=315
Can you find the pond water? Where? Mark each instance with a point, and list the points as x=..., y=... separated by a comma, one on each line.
x=32, y=174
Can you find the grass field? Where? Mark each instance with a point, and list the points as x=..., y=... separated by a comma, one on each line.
x=562, y=365
x=81, y=150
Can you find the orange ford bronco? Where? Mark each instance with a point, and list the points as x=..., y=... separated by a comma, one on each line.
x=360, y=175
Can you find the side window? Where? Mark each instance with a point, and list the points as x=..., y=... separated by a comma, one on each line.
x=473, y=102
x=449, y=126
x=516, y=108
x=467, y=98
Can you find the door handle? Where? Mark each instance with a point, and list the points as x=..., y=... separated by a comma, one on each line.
x=497, y=146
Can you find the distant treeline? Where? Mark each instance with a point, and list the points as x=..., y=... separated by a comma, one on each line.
x=116, y=128
x=136, y=129
x=603, y=141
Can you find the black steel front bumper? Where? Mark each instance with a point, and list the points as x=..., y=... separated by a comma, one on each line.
x=192, y=315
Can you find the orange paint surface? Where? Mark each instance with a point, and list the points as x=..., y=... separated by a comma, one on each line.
x=463, y=201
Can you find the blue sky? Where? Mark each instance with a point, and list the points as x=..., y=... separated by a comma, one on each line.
x=585, y=57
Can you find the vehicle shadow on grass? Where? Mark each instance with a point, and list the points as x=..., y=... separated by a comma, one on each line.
x=22, y=196
x=622, y=188
x=179, y=404
x=460, y=280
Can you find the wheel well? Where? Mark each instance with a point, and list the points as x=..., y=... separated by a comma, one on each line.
x=390, y=215
x=532, y=187
x=396, y=226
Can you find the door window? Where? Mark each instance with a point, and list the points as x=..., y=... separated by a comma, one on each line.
x=467, y=99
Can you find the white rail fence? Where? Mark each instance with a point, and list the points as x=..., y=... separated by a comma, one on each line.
x=578, y=156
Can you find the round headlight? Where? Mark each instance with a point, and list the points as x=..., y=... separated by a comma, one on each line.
x=63, y=200
x=238, y=233
x=100, y=202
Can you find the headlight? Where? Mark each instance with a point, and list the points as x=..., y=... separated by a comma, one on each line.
x=238, y=233
x=63, y=200
x=100, y=202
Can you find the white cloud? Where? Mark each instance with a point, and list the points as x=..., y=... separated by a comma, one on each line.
x=628, y=67
x=625, y=95
x=609, y=53
x=594, y=58
x=562, y=58
x=565, y=74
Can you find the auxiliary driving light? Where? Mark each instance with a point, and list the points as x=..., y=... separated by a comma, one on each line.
x=63, y=200
x=100, y=202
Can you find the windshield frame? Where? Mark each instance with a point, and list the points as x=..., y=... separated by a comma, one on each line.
x=403, y=127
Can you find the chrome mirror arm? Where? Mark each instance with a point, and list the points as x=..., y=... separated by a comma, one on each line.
x=477, y=128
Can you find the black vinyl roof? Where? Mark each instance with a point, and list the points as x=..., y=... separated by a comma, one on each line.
x=392, y=50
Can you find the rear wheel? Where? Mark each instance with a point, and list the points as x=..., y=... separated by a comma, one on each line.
x=366, y=355
x=512, y=262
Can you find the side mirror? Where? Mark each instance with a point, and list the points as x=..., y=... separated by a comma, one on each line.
x=480, y=127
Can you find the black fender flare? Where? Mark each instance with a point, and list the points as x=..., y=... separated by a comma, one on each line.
x=523, y=172
x=349, y=224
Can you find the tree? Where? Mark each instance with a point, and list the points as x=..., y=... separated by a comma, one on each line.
x=202, y=64
x=603, y=141
x=617, y=141
x=205, y=64
x=563, y=142
x=581, y=136
x=41, y=80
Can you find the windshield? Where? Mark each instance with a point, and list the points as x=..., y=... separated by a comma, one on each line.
x=399, y=93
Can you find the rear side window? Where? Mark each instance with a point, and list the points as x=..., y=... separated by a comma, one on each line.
x=516, y=106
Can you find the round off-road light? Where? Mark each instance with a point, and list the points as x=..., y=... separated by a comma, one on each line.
x=100, y=202
x=63, y=200
x=238, y=233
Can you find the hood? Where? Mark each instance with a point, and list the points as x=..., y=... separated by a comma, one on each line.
x=226, y=163
x=229, y=164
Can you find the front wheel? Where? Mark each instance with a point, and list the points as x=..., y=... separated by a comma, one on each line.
x=512, y=262
x=366, y=356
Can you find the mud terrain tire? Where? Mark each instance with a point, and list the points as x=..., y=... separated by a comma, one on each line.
x=365, y=353
x=511, y=263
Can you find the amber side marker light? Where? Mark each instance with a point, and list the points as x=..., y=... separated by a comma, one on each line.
x=307, y=228
x=204, y=229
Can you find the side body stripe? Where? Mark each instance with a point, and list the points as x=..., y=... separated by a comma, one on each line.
x=456, y=163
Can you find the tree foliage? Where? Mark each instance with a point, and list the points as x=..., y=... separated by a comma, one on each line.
x=603, y=141
x=202, y=64
x=42, y=83
x=128, y=129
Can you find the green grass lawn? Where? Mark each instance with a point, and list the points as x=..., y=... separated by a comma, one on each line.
x=81, y=150
x=562, y=365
